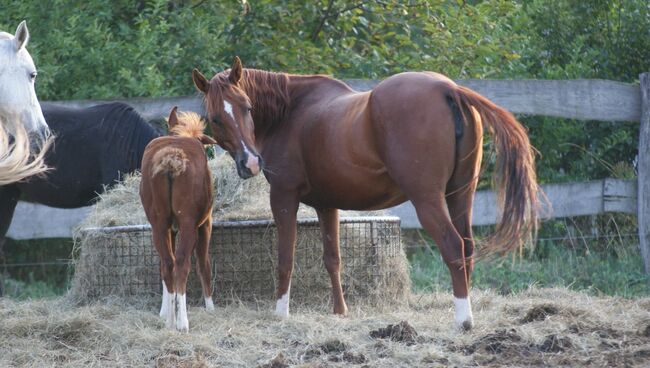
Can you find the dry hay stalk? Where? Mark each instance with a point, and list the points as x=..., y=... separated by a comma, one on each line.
x=244, y=258
x=589, y=331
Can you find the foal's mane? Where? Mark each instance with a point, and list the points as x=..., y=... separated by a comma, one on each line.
x=189, y=125
x=268, y=93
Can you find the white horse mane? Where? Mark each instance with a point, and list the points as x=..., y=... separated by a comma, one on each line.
x=5, y=36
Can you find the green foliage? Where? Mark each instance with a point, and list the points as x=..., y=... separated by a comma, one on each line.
x=95, y=49
x=596, y=272
x=99, y=49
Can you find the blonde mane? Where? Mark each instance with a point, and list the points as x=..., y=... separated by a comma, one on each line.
x=17, y=162
x=189, y=124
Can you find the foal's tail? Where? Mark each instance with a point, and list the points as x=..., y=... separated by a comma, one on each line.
x=514, y=177
x=169, y=160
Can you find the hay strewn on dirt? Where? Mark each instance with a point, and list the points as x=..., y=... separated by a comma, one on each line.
x=574, y=329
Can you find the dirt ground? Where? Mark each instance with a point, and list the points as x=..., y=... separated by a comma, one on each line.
x=539, y=327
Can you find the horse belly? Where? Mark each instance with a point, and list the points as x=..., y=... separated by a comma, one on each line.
x=360, y=192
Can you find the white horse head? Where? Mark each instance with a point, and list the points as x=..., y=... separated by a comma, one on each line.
x=20, y=113
x=18, y=102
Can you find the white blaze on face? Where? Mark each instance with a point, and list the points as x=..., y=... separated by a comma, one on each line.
x=464, y=318
x=227, y=107
x=252, y=163
x=282, y=305
x=182, y=323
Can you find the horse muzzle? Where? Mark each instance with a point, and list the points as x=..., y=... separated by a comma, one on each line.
x=248, y=165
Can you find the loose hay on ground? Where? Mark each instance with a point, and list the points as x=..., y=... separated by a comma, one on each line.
x=586, y=331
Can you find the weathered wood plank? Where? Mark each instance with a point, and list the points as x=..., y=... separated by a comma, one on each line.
x=572, y=199
x=35, y=221
x=565, y=200
x=589, y=99
x=583, y=99
x=620, y=196
x=643, y=214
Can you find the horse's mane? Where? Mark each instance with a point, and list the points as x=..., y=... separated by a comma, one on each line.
x=5, y=36
x=189, y=125
x=268, y=93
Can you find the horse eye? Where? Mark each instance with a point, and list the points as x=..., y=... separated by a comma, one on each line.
x=33, y=75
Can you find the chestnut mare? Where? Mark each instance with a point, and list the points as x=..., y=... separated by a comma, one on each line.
x=176, y=192
x=415, y=136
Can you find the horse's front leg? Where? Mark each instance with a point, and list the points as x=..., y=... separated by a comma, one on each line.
x=329, y=226
x=284, y=206
x=8, y=200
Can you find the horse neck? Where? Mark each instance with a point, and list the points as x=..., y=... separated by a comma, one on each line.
x=131, y=141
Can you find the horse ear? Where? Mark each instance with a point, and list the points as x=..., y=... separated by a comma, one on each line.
x=206, y=139
x=173, y=119
x=200, y=81
x=22, y=35
x=235, y=71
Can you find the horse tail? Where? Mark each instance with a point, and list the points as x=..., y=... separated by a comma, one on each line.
x=171, y=161
x=514, y=176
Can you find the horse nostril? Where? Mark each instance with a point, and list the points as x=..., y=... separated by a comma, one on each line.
x=242, y=163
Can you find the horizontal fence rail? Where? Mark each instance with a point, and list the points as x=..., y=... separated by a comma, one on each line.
x=565, y=200
x=586, y=99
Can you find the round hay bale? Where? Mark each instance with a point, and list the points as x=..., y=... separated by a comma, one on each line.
x=122, y=261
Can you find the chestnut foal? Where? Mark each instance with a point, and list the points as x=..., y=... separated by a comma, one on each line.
x=176, y=192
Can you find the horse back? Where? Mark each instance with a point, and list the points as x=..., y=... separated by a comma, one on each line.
x=176, y=179
x=94, y=148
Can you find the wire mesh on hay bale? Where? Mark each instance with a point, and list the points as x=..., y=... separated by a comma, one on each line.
x=122, y=261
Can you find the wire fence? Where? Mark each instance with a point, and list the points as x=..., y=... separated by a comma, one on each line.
x=589, y=233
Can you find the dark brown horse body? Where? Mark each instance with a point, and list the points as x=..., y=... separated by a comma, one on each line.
x=415, y=136
x=176, y=193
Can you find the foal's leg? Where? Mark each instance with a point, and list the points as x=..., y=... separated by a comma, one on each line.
x=434, y=218
x=284, y=206
x=163, y=243
x=187, y=241
x=203, y=262
x=329, y=226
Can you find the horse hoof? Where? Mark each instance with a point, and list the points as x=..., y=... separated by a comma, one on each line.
x=466, y=325
x=209, y=305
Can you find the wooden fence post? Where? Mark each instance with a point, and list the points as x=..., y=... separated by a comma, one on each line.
x=643, y=195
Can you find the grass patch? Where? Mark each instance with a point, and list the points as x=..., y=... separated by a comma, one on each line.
x=613, y=271
x=36, y=268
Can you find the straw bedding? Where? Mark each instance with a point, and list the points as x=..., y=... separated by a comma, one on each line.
x=536, y=328
x=244, y=256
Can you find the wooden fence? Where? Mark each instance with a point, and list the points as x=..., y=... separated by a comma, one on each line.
x=597, y=100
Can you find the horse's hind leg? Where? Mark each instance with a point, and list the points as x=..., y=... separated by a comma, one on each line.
x=433, y=216
x=163, y=243
x=329, y=225
x=203, y=262
x=188, y=236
